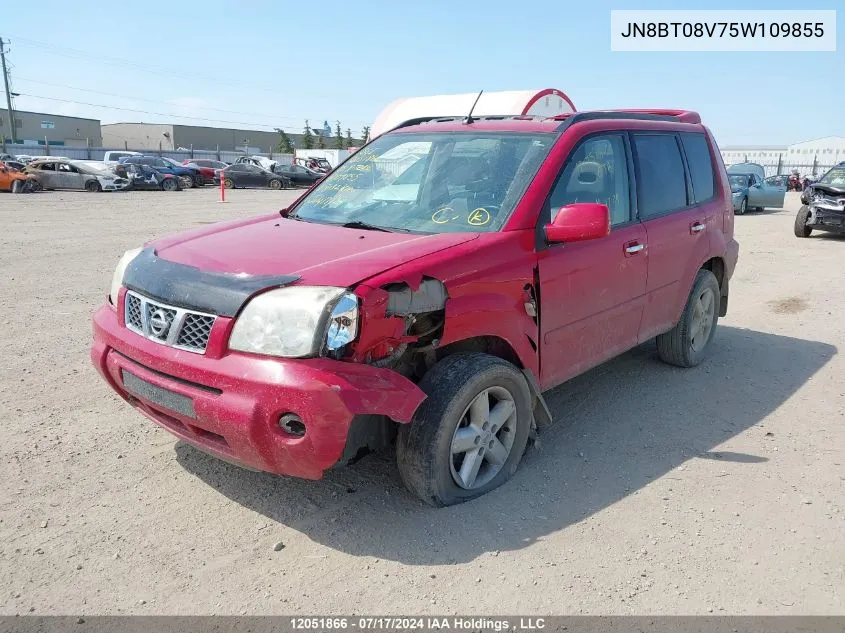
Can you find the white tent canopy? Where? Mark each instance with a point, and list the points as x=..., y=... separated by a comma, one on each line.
x=546, y=102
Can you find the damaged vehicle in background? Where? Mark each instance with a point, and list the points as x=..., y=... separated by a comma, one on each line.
x=14, y=180
x=824, y=205
x=56, y=173
x=518, y=256
x=143, y=177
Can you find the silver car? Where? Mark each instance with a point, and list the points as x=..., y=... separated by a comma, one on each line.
x=63, y=173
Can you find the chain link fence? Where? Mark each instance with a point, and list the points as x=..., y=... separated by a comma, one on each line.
x=97, y=153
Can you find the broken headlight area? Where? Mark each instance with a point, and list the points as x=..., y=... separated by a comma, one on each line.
x=402, y=326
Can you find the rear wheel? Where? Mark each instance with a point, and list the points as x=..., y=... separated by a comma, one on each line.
x=17, y=186
x=743, y=206
x=93, y=186
x=275, y=184
x=169, y=184
x=685, y=345
x=801, y=228
x=228, y=183
x=469, y=435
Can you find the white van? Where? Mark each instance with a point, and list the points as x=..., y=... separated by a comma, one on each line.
x=113, y=158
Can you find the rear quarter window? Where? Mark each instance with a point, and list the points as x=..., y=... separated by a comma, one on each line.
x=700, y=166
x=661, y=180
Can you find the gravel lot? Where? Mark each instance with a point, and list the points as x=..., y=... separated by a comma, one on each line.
x=660, y=490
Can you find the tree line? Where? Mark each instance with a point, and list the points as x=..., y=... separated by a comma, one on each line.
x=318, y=140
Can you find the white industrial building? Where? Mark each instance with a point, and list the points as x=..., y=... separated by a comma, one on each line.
x=808, y=157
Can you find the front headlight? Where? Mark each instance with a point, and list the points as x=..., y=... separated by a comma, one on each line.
x=117, y=278
x=291, y=322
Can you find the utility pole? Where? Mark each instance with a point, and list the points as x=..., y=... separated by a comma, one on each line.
x=8, y=92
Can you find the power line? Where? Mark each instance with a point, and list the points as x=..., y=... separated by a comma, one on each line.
x=123, y=62
x=96, y=105
x=159, y=101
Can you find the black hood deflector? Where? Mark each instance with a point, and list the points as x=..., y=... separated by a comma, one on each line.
x=189, y=287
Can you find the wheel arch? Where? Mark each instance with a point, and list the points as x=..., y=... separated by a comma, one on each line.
x=501, y=348
x=716, y=265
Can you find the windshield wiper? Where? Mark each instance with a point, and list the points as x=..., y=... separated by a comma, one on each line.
x=357, y=224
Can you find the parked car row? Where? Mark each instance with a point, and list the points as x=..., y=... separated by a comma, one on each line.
x=131, y=170
x=241, y=175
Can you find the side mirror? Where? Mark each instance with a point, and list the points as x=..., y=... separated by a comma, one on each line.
x=578, y=222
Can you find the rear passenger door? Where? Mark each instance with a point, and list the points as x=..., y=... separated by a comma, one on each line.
x=678, y=211
x=591, y=292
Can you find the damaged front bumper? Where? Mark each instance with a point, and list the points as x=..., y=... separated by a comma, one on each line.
x=827, y=217
x=230, y=404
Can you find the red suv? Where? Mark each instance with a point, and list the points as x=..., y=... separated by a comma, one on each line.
x=427, y=293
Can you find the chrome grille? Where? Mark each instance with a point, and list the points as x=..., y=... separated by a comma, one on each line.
x=168, y=325
x=195, y=331
x=133, y=312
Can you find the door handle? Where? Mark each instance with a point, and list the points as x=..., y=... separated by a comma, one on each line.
x=696, y=227
x=632, y=248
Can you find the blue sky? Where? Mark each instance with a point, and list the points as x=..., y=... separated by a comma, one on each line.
x=267, y=64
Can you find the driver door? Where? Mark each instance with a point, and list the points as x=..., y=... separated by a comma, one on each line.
x=775, y=187
x=70, y=177
x=592, y=292
x=756, y=192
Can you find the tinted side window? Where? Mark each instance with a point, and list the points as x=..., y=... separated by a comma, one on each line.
x=700, y=166
x=597, y=171
x=662, y=185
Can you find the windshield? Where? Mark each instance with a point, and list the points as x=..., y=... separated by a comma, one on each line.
x=170, y=161
x=834, y=178
x=738, y=181
x=430, y=183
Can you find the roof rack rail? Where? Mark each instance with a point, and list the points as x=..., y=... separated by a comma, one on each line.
x=483, y=117
x=677, y=116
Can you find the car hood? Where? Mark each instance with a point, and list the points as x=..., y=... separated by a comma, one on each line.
x=319, y=254
x=830, y=190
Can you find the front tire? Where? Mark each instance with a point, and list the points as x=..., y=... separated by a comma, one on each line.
x=93, y=186
x=228, y=183
x=686, y=344
x=801, y=228
x=187, y=181
x=169, y=184
x=469, y=435
x=275, y=184
x=17, y=186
